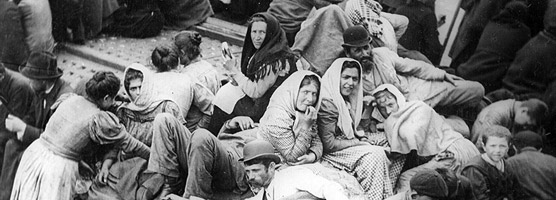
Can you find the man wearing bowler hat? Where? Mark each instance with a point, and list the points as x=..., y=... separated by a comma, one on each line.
x=259, y=162
x=290, y=183
x=44, y=75
x=417, y=80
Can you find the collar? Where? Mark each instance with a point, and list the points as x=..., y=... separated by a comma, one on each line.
x=524, y=149
x=499, y=165
x=48, y=90
x=270, y=188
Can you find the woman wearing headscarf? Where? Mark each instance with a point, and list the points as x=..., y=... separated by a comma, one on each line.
x=289, y=121
x=338, y=118
x=416, y=126
x=137, y=116
x=289, y=124
x=266, y=61
x=49, y=168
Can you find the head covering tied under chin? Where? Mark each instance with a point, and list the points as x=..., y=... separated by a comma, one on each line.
x=273, y=54
x=348, y=117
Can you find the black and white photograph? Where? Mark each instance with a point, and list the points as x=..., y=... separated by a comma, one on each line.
x=277, y=99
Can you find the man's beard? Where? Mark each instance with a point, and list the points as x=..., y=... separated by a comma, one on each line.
x=367, y=63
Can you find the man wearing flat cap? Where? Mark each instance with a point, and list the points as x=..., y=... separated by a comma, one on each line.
x=417, y=80
x=44, y=75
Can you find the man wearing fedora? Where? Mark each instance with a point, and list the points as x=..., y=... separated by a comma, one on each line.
x=260, y=162
x=44, y=75
x=417, y=80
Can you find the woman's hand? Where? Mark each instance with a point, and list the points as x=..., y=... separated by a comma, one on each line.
x=241, y=122
x=306, y=159
x=309, y=118
x=230, y=65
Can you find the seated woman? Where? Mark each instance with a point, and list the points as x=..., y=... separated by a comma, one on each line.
x=266, y=61
x=189, y=52
x=289, y=124
x=146, y=102
x=338, y=118
x=211, y=165
x=415, y=126
x=49, y=168
x=137, y=117
x=193, y=98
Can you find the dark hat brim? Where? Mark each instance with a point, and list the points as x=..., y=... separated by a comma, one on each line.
x=26, y=70
x=359, y=43
x=271, y=156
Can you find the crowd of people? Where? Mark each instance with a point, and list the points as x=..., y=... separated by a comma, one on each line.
x=329, y=100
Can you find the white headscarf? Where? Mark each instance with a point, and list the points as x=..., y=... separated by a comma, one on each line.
x=347, y=121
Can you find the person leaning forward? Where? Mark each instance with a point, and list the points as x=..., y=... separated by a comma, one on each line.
x=44, y=74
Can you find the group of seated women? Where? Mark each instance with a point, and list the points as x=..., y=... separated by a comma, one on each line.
x=181, y=133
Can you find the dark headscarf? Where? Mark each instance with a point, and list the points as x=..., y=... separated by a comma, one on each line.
x=550, y=18
x=273, y=53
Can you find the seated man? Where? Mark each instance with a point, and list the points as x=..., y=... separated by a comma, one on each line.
x=511, y=114
x=15, y=99
x=208, y=164
x=488, y=173
x=48, y=86
x=534, y=171
x=417, y=80
x=261, y=162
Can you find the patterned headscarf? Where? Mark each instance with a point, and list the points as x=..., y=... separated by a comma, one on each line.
x=366, y=13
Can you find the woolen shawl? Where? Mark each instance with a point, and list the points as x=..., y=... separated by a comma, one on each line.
x=271, y=56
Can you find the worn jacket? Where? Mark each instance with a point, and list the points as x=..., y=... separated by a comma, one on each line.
x=487, y=181
x=40, y=110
